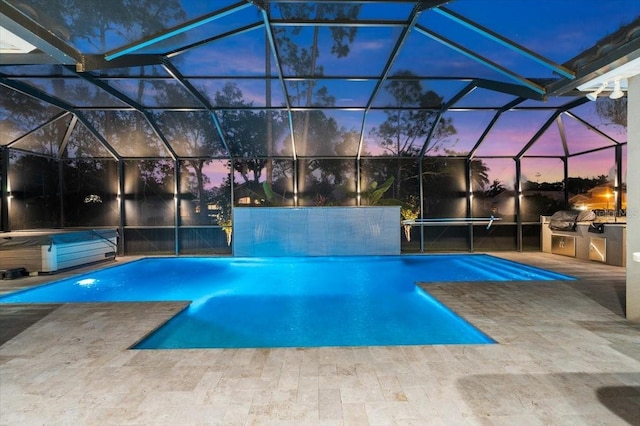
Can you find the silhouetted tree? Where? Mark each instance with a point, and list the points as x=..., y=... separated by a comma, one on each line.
x=578, y=185
x=302, y=60
x=246, y=133
x=612, y=110
x=495, y=188
x=404, y=133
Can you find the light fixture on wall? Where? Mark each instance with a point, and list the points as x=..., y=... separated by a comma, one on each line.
x=617, y=92
x=594, y=95
x=611, y=74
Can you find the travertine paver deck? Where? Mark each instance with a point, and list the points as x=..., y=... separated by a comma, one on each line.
x=566, y=356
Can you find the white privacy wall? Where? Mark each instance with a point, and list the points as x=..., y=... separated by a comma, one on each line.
x=316, y=231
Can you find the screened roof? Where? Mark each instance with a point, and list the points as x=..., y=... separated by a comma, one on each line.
x=293, y=79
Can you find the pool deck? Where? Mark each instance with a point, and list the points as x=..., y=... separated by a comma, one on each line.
x=565, y=356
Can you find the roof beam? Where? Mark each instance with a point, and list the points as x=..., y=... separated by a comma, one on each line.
x=432, y=131
x=31, y=91
x=481, y=59
x=135, y=105
x=590, y=126
x=508, y=88
x=461, y=94
x=492, y=123
x=98, y=136
x=409, y=26
x=486, y=32
x=194, y=23
x=563, y=136
x=539, y=133
x=15, y=21
x=415, y=14
x=336, y=23
x=231, y=33
x=67, y=135
x=173, y=71
x=45, y=124
x=276, y=58
x=556, y=116
x=589, y=151
x=110, y=90
x=35, y=58
x=98, y=62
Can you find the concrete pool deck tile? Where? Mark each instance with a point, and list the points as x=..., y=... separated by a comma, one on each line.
x=356, y=392
x=386, y=412
x=308, y=390
x=354, y=414
x=329, y=404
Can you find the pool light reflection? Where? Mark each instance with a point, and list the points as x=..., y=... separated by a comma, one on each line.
x=87, y=282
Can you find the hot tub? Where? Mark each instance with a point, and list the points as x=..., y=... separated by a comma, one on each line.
x=48, y=251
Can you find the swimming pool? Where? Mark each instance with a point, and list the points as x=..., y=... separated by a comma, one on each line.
x=285, y=302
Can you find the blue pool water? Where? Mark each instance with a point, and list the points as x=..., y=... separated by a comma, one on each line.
x=292, y=302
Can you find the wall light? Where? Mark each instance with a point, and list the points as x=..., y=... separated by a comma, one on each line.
x=594, y=95
x=617, y=92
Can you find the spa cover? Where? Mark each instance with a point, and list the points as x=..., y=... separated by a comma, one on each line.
x=12, y=240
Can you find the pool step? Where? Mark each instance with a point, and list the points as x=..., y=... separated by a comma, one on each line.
x=506, y=269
